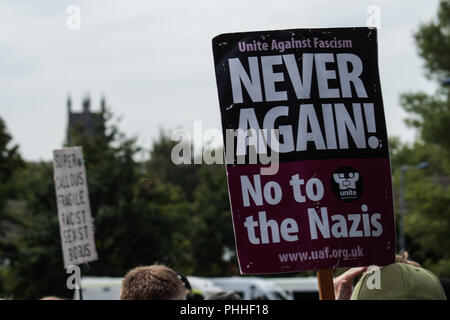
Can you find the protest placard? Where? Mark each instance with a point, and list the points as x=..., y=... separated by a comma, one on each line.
x=328, y=202
x=74, y=212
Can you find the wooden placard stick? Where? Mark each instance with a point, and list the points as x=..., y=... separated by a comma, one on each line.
x=326, y=287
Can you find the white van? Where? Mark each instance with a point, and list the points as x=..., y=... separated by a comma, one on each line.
x=108, y=288
x=99, y=288
x=305, y=288
x=252, y=288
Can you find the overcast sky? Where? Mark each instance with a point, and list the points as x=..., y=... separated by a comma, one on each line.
x=152, y=60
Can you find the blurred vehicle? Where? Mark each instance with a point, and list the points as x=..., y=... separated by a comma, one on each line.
x=252, y=288
x=108, y=288
x=300, y=288
x=99, y=288
x=203, y=286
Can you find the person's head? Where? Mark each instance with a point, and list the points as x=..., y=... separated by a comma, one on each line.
x=398, y=281
x=191, y=294
x=155, y=282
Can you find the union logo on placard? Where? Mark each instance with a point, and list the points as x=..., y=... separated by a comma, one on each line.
x=347, y=184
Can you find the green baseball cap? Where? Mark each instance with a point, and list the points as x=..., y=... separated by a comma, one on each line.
x=398, y=281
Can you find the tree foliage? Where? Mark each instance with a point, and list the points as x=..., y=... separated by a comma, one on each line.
x=161, y=167
x=427, y=221
x=10, y=162
x=213, y=236
x=433, y=43
x=144, y=212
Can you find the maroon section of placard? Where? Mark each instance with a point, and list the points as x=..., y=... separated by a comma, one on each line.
x=366, y=196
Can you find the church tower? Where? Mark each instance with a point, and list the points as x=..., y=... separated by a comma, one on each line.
x=85, y=123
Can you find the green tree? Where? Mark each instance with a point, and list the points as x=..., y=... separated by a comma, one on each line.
x=161, y=166
x=10, y=163
x=213, y=240
x=138, y=219
x=35, y=251
x=208, y=235
x=430, y=115
x=210, y=232
x=427, y=197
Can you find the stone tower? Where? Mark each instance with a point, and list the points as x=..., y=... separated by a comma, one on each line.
x=86, y=122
